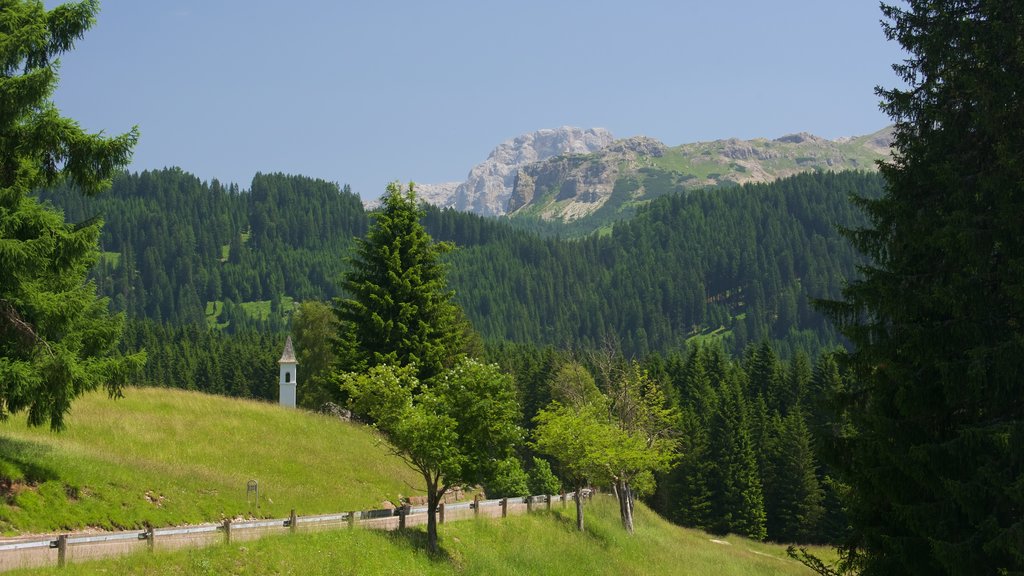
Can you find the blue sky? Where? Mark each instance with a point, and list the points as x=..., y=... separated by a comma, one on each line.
x=368, y=92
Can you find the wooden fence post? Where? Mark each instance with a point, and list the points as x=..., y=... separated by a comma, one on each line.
x=227, y=530
x=62, y=550
x=401, y=516
x=529, y=504
x=150, y=537
x=476, y=505
x=352, y=519
x=547, y=498
x=293, y=521
x=504, y=507
x=440, y=513
x=563, y=499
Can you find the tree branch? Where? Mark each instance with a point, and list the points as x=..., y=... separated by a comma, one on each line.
x=15, y=320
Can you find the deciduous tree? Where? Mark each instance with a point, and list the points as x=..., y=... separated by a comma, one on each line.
x=456, y=431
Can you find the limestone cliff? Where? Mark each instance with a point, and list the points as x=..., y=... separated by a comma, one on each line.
x=571, y=173
x=615, y=179
x=489, y=184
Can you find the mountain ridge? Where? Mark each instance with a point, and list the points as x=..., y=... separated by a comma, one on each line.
x=571, y=173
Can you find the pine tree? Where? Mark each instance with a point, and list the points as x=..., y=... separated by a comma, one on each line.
x=57, y=338
x=935, y=461
x=399, y=310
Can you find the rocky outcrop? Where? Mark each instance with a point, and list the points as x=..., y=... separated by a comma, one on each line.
x=573, y=186
x=639, y=169
x=569, y=173
x=442, y=194
x=489, y=184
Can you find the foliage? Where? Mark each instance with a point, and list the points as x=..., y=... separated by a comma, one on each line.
x=575, y=437
x=57, y=338
x=935, y=451
x=507, y=480
x=541, y=479
x=314, y=328
x=747, y=259
x=461, y=429
x=399, y=310
x=645, y=442
x=618, y=439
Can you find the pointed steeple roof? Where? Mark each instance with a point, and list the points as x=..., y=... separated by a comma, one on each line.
x=288, y=356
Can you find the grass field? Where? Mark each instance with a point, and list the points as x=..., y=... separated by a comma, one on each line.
x=170, y=457
x=542, y=543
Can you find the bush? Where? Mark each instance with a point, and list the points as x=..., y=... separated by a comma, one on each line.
x=542, y=480
x=507, y=480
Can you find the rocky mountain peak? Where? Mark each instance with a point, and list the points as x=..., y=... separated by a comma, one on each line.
x=489, y=184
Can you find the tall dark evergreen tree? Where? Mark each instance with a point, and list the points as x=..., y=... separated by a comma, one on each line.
x=399, y=310
x=57, y=337
x=738, y=503
x=793, y=495
x=936, y=458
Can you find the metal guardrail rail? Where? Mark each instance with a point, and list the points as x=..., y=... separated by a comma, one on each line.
x=23, y=553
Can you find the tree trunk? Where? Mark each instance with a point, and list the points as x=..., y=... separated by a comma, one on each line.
x=433, y=498
x=625, y=496
x=579, y=508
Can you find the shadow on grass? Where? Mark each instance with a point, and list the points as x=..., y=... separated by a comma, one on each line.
x=416, y=539
x=19, y=464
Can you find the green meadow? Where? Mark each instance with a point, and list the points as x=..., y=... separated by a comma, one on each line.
x=169, y=457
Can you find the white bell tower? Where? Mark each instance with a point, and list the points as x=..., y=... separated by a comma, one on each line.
x=288, y=364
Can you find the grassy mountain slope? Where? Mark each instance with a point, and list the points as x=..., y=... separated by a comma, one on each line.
x=578, y=194
x=542, y=543
x=171, y=457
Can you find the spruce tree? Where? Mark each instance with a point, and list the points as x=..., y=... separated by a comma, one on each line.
x=935, y=460
x=738, y=502
x=793, y=495
x=57, y=338
x=399, y=310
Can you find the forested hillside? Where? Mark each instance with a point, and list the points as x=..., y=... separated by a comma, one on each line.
x=695, y=285
x=173, y=243
x=742, y=263
x=746, y=261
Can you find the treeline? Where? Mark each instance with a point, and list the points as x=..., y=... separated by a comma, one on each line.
x=751, y=434
x=744, y=263
x=172, y=243
x=241, y=364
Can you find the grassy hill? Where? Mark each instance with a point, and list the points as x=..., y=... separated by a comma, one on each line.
x=542, y=543
x=171, y=457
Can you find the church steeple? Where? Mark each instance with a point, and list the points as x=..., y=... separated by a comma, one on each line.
x=288, y=365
